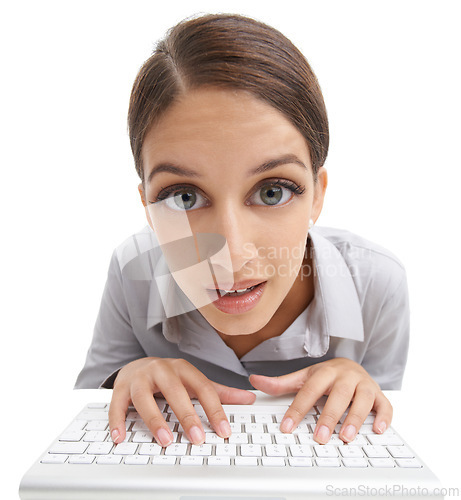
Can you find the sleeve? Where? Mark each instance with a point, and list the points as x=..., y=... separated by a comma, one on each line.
x=114, y=343
x=387, y=352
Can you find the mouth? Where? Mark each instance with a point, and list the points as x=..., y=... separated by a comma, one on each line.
x=237, y=300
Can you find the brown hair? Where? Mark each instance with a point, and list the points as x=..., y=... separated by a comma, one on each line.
x=229, y=51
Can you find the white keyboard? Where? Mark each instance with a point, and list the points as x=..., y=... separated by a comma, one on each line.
x=256, y=441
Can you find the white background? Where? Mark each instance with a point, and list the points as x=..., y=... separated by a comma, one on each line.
x=390, y=78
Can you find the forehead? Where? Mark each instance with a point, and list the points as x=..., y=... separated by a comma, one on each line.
x=223, y=123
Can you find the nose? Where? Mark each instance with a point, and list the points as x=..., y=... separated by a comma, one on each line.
x=239, y=231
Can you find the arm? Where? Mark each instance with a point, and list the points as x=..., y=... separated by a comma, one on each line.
x=114, y=343
x=386, y=355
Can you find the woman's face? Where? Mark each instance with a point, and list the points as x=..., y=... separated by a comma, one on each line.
x=231, y=177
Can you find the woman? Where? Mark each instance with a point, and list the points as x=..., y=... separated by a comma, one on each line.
x=230, y=287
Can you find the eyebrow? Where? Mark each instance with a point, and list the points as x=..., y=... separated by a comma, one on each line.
x=187, y=172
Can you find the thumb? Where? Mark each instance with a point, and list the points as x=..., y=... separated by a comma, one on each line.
x=276, y=386
x=233, y=396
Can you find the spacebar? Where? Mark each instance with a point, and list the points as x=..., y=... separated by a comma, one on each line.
x=255, y=409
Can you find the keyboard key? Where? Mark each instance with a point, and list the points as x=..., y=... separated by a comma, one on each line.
x=250, y=450
x=328, y=462
x=93, y=415
x=225, y=450
x=100, y=448
x=246, y=461
x=263, y=419
x=52, y=458
x=150, y=449
x=109, y=460
x=97, y=425
x=273, y=428
x=95, y=436
x=408, y=462
x=261, y=438
x=176, y=449
x=273, y=461
x=218, y=461
x=300, y=462
x=68, y=448
x=242, y=418
x=81, y=459
x=125, y=449
x=143, y=437
x=140, y=425
x=382, y=462
x=325, y=451
x=238, y=438
x=306, y=439
x=358, y=441
x=275, y=450
x=351, y=451
x=384, y=439
x=250, y=428
x=137, y=460
x=284, y=438
x=400, y=452
x=235, y=427
x=335, y=440
x=212, y=438
x=375, y=451
x=189, y=460
x=202, y=450
x=301, y=450
x=71, y=435
x=355, y=462
x=163, y=460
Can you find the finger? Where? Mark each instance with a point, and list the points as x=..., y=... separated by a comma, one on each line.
x=384, y=412
x=146, y=406
x=364, y=399
x=276, y=386
x=117, y=413
x=207, y=394
x=314, y=388
x=172, y=386
x=338, y=400
x=233, y=396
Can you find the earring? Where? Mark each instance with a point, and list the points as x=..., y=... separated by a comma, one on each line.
x=311, y=223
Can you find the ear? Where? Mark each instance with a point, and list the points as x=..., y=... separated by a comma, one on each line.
x=142, y=194
x=143, y=200
x=319, y=192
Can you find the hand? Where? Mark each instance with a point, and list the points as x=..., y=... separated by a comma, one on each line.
x=343, y=381
x=178, y=381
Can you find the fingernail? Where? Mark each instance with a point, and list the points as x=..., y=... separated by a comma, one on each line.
x=115, y=435
x=287, y=425
x=164, y=437
x=349, y=432
x=224, y=429
x=323, y=433
x=197, y=435
x=381, y=427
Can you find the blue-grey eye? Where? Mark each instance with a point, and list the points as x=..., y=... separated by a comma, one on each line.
x=271, y=194
x=183, y=199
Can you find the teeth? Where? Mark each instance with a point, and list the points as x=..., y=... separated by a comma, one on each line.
x=237, y=291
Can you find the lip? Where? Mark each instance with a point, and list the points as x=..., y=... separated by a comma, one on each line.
x=240, y=285
x=241, y=303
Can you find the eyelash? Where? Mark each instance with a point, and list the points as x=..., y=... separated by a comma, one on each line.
x=296, y=189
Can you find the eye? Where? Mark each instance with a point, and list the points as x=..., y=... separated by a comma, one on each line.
x=272, y=194
x=186, y=198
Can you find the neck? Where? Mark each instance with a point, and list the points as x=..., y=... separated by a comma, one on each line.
x=297, y=299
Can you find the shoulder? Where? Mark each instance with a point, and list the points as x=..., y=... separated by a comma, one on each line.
x=135, y=246
x=372, y=266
